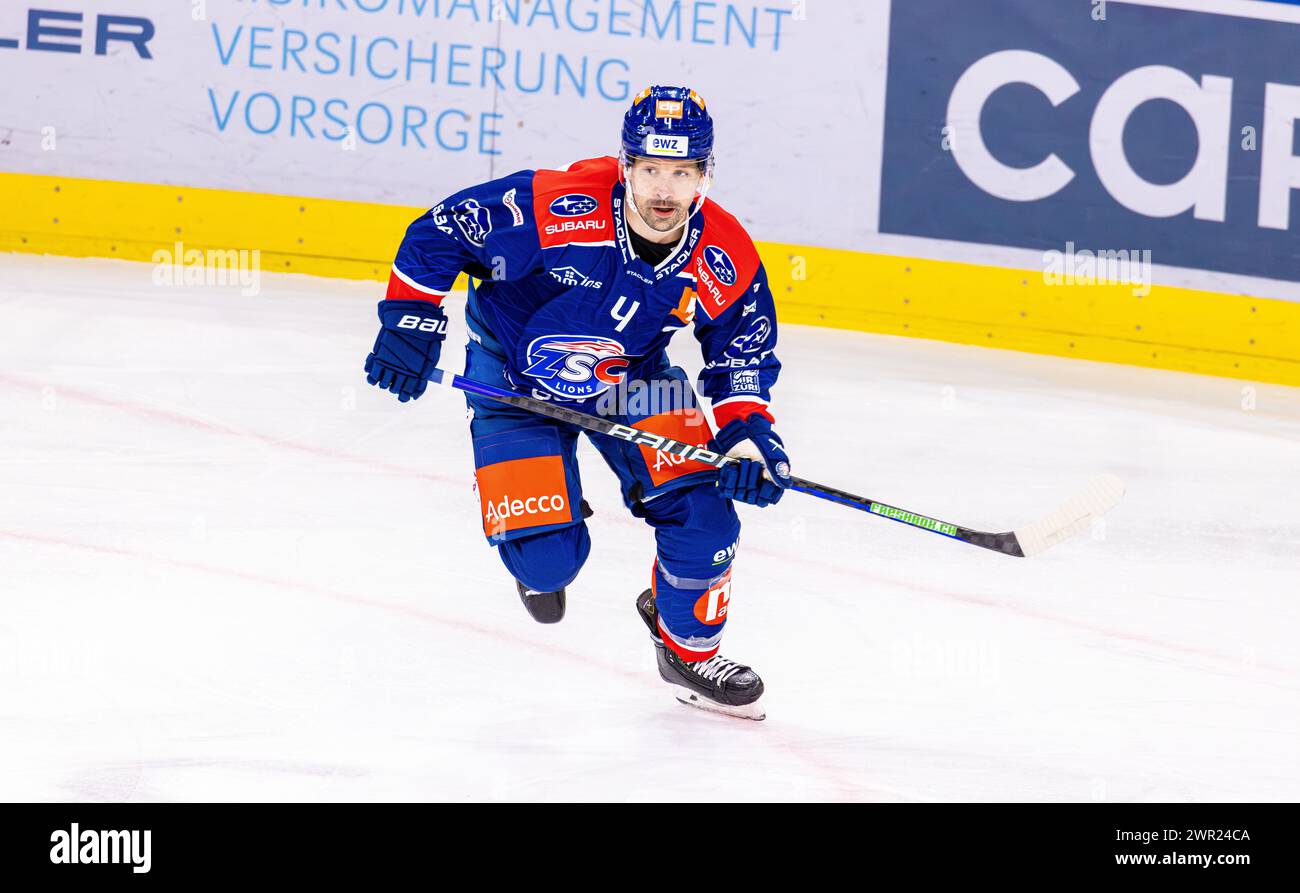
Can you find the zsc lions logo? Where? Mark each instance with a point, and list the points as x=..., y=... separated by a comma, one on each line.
x=473, y=221
x=576, y=366
x=756, y=337
x=574, y=205
x=720, y=263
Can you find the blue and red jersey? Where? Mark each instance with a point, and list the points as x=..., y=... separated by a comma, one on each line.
x=573, y=308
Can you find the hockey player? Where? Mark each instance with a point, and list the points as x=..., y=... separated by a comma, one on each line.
x=578, y=280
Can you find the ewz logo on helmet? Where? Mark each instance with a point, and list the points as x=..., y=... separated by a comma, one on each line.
x=668, y=146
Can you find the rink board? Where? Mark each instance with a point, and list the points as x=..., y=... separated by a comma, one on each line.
x=872, y=154
x=1172, y=328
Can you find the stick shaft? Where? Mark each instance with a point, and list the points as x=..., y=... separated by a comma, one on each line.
x=998, y=542
x=581, y=419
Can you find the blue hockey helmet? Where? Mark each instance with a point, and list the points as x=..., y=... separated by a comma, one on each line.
x=668, y=122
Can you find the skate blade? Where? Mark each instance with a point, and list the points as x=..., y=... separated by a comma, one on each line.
x=754, y=711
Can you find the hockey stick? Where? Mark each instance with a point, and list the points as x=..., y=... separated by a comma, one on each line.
x=1073, y=518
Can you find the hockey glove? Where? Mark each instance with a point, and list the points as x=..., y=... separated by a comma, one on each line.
x=406, y=351
x=761, y=473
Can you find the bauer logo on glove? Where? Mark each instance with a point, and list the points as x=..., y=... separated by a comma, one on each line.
x=422, y=324
x=407, y=349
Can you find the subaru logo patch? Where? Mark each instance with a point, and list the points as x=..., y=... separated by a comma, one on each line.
x=720, y=264
x=574, y=205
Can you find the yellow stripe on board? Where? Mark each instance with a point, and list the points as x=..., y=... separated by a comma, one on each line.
x=103, y=218
x=1170, y=328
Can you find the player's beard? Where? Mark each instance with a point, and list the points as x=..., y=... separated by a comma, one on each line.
x=646, y=209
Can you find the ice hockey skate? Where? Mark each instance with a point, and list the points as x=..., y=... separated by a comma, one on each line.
x=544, y=607
x=717, y=684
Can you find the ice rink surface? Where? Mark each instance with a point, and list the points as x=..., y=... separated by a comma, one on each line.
x=230, y=570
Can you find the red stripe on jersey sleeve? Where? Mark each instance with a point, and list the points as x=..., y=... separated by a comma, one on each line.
x=401, y=290
x=741, y=409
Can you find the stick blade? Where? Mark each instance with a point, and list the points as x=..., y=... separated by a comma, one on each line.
x=1100, y=496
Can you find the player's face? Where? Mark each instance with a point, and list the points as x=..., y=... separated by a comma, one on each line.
x=664, y=190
